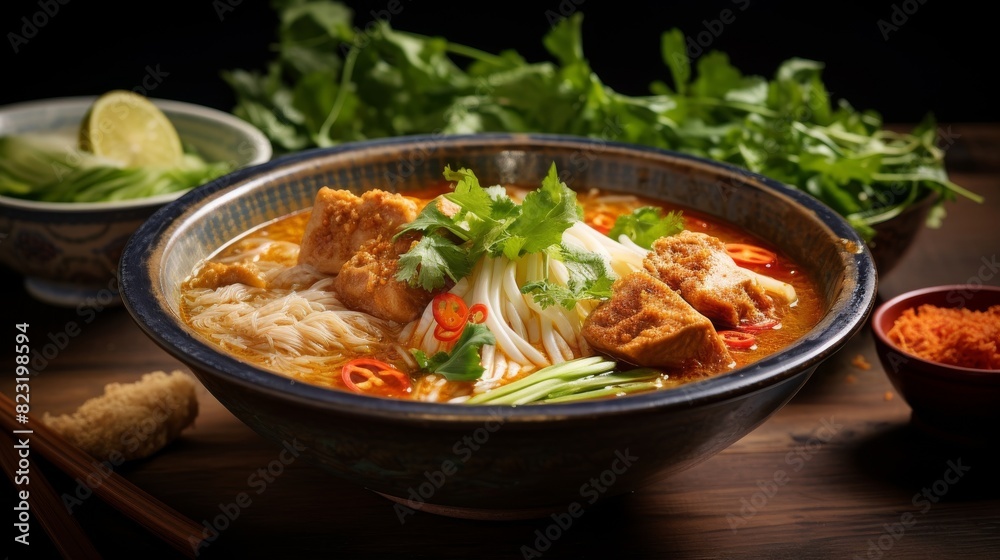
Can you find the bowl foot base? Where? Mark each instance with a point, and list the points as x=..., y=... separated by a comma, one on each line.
x=482, y=514
x=70, y=295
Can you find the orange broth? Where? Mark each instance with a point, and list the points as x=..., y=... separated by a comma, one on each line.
x=795, y=320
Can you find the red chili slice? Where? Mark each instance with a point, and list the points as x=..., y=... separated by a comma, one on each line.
x=375, y=377
x=750, y=255
x=738, y=340
x=445, y=335
x=478, y=313
x=450, y=311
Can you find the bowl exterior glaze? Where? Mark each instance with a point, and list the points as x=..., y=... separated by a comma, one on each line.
x=67, y=250
x=491, y=461
x=497, y=466
x=63, y=256
x=955, y=402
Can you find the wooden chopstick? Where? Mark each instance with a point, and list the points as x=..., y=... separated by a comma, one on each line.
x=174, y=528
x=66, y=534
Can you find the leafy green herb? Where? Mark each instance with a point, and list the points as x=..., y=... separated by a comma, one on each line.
x=332, y=84
x=463, y=362
x=545, y=214
x=488, y=222
x=589, y=278
x=647, y=224
x=428, y=262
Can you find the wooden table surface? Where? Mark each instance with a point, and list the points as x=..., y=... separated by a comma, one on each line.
x=855, y=465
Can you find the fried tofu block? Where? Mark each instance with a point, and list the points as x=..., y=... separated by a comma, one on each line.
x=647, y=324
x=697, y=266
x=341, y=222
x=367, y=282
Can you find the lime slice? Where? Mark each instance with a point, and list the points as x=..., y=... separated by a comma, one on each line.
x=126, y=127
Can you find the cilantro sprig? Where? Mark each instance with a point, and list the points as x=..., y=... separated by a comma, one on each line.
x=488, y=222
x=589, y=278
x=646, y=224
x=463, y=362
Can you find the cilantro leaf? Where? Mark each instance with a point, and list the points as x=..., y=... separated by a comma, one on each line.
x=487, y=222
x=431, y=220
x=502, y=208
x=547, y=293
x=545, y=214
x=589, y=278
x=463, y=362
x=565, y=40
x=468, y=194
x=647, y=224
x=586, y=268
x=675, y=57
x=486, y=213
x=433, y=258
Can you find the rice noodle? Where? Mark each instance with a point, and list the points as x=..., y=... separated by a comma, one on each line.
x=485, y=290
x=299, y=332
x=515, y=298
x=516, y=322
x=291, y=278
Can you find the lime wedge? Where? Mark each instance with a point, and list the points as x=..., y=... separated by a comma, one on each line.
x=128, y=128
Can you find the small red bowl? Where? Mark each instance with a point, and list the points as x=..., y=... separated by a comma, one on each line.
x=960, y=403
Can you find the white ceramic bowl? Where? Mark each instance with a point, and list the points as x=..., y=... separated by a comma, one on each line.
x=67, y=252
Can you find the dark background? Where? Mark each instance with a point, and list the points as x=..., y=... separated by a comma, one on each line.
x=938, y=61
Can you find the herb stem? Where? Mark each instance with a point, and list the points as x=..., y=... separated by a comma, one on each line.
x=820, y=136
x=476, y=54
x=917, y=177
x=464, y=50
x=842, y=134
x=338, y=103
